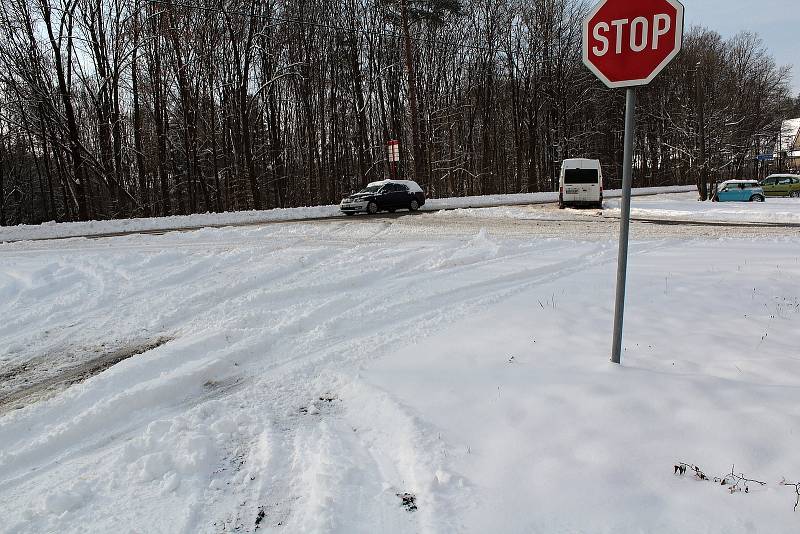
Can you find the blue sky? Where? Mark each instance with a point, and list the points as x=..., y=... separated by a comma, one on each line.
x=776, y=21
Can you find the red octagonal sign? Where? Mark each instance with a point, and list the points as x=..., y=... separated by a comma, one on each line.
x=628, y=42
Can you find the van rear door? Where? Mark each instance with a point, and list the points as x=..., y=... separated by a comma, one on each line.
x=581, y=185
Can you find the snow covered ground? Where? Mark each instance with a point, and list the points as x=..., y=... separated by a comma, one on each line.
x=678, y=207
x=409, y=375
x=60, y=230
x=685, y=207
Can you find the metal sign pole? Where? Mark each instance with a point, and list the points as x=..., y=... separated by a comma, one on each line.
x=624, y=223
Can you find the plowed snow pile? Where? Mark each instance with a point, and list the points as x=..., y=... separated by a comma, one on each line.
x=347, y=378
x=52, y=230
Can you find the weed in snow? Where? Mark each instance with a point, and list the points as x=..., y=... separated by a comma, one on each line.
x=735, y=483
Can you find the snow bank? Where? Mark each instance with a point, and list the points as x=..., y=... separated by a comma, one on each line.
x=488, y=201
x=687, y=208
x=672, y=206
x=61, y=230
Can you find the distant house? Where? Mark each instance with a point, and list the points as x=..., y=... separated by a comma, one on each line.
x=787, y=153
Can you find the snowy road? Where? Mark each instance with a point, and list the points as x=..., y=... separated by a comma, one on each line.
x=160, y=225
x=314, y=373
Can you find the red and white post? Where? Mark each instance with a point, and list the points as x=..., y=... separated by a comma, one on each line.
x=393, y=151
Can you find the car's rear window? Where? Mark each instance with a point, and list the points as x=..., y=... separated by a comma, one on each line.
x=581, y=176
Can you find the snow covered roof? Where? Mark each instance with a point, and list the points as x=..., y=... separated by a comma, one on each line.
x=726, y=182
x=580, y=160
x=580, y=163
x=412, y=185
x=783, y=175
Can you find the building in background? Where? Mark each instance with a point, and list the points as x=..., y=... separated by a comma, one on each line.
x=787, y=151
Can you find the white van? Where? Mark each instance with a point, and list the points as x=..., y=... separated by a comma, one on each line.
x=581, y=183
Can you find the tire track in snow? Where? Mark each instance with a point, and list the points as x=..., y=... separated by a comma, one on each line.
x=590, y=260
x=308, y=366
x=345, y=317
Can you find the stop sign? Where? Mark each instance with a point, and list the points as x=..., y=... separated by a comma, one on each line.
x=628, y=42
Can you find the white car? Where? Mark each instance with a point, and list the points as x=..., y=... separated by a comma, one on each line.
x=580, y=183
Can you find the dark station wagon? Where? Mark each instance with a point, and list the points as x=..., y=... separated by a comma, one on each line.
x=387, y=195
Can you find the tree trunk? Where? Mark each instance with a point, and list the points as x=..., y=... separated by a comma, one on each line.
x=416, y=143
x=701, y=122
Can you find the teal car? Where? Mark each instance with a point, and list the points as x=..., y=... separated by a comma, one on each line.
x=740, y=191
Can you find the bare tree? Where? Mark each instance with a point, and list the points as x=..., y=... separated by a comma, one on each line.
x=112, y=108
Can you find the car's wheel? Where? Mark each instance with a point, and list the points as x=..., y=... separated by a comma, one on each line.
x=757, y=198
x=349, y=213
x=715, y=199
x=392, y=210
x=414, y=206
x=795, y=194
x=372, y=208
